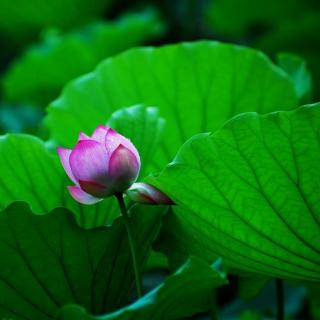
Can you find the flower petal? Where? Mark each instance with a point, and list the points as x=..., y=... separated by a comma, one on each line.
x=123, y=168
x=114, y=139
x=89, y=161
x=79, y=195
x=64, y=155
x=100, y=133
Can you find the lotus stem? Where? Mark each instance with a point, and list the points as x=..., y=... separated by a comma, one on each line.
x=127, y=221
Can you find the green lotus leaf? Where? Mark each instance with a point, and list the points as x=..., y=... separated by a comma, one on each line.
x=182, y=294
x=250, y=193
x=196, y=87
x=49, y=261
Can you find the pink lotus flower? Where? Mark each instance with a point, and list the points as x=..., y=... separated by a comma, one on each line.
x=101, y=165
x=145, y=193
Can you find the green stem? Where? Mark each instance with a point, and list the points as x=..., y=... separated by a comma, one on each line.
x=280, y=299
x=132, y=245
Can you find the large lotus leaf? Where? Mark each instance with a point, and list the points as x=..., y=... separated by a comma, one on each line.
x=49, y=261
x=50, y=64
x=186, y=292
x=250, y=193
x=196, y=86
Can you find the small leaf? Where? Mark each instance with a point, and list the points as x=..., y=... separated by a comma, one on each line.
x=250, y=194
x=61, y=58
x=157, y=260
x=196, y=87
x=49, y=261
x=145, y=127
x=296, y=68
x=183, y=294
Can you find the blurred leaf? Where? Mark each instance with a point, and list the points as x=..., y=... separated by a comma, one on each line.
x=50, y=262
x=185, y=18
x=29, y=172
x=39, y=75
x=299, y=36
x=20, y=118
x=250, y=193
x=23, y=19
x=296, y=68
x=196, y=86
x=272, y=26
x=239, y=17
x=185, y=293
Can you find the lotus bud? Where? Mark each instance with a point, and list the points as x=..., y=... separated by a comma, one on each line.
x=101, y=165
x=147, y=194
